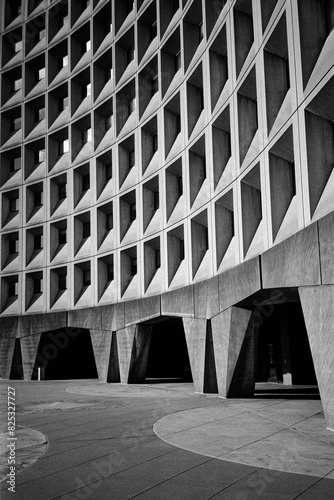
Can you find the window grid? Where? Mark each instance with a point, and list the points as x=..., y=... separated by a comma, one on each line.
x=54, y=100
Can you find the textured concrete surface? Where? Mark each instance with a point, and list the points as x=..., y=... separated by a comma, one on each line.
x=101, y=443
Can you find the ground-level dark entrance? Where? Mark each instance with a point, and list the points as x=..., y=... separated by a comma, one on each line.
x=65, y=354
x=168, y=359
x=283, y=352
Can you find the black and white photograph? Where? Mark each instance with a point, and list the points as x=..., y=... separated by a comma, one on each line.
x=166, y=249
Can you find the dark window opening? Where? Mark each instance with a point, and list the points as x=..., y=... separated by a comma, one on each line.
x=156, y=200
x=157, y=259
x=110, y=273
x=62, y=188
x=181, y=249
x=85, y=182
x=132, y=212
x=180, y=185
x=86, y=277
x=133, y=266
x=86, y=230
x=38, y=285
x=38, y=242
x=62, y=282
x=62, y=236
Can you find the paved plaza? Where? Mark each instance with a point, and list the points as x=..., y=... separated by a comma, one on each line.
x=83, y=440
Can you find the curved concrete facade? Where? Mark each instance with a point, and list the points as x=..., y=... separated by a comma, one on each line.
x=163, y=159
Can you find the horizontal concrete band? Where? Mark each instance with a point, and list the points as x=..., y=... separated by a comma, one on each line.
x=304, y=259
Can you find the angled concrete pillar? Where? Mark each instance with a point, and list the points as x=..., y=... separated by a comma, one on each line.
x=133, y=343
x=195, y=332
x=29, y=347
x=102, y=341
x=7, y=345
x=234, y=353
x=318, y=308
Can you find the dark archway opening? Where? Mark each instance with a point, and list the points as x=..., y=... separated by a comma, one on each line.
x=168, y=359
x=283, y=355
x=16, y=371
x=65, y=354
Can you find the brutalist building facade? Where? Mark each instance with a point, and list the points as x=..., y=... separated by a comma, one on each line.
x=167, y=192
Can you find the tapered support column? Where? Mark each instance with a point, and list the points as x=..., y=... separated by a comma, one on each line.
x=133, y=343
x=104, y=347
x=29, y=346
x=7, y=345
x=234, y=352
x=195, y=332
x=318, y=308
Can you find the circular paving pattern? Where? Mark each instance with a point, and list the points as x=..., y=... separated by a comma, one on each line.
x=30, y=445
x=288, y=436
